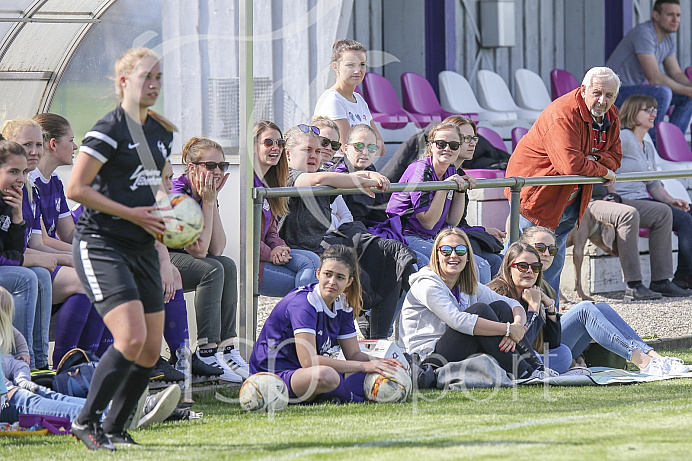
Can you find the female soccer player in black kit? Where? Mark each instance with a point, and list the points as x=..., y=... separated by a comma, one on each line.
x=115, y=177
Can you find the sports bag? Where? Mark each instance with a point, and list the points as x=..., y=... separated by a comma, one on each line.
x=74, y=373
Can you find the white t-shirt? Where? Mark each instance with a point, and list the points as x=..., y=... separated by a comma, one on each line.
x=331, y=104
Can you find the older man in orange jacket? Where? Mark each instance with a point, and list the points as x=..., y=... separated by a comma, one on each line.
x=577, y=134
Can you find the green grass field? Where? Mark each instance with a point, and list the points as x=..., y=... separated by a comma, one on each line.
x=643, y=421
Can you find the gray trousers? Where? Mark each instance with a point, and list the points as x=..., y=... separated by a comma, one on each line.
x=215, y=282
x=627, y=218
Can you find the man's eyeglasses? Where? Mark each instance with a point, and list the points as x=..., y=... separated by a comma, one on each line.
x=336, y=145
x=211, y=166
x=541, y=247
x=359, y=146
x=308, y=128
x=453, y=145
x=650, y=110
x=524, y=267
x=460, y=250
x=269, y=143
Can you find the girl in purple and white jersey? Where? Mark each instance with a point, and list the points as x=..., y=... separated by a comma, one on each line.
x=307, y=323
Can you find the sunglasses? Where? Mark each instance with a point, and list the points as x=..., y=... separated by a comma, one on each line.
x=359, y=146
x=460, y=250
x=468, y=138
x=308, y=128
x=269, y=143
x=211, y=166
x=453, y=145
x=336, y=145
x=541, y=247
x=524, y=267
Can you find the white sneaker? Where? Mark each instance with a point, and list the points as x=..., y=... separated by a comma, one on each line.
x=218, y=362
x=657, y=367
x=577, y=371
x=237, y=363
x=545, y=373
x=676, y=366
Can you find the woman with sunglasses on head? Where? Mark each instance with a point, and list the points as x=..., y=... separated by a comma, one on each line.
x=341, y=102
x=521, y=278
x=650, y=198
x=587, y=321
x=449, y=316
x=202, y=265
x=426, y=213
x=312, y=224
x=281, y=269
x=116, y=176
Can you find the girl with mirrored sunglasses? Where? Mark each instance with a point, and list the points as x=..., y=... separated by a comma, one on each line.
x=449, y=316
x=587, y=321
x=281, y=268
x=341, y=102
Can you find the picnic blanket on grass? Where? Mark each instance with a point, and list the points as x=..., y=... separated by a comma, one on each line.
x=603, y=376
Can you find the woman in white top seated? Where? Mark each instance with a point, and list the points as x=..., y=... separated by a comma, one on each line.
x=448, y=316
x=341, y=103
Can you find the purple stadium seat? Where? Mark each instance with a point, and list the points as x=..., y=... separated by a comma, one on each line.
x=671, y=143
x=483, y=173
x=561, y=82
x=517, y=134
x=383, y=102
x=688, y=72
x=420, y=101
x=492, y=136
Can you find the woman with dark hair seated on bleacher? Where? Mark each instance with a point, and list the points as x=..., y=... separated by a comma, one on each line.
x=281, y=269
x=307, y=226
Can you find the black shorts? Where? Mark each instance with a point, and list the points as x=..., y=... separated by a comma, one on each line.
x=112, y=277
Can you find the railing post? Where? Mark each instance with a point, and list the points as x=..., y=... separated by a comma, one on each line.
x=257, y=229
x=514, y=206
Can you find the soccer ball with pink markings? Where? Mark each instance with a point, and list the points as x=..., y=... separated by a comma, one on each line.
x=183, y=219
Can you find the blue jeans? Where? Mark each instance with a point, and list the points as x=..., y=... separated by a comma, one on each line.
x=665, y=98
x=682, y=225
x=46, y=402
x=586, y=321
x=32, y=292
x=423, y=247
x=568, y=221
x=559, y=359
x=277, y=281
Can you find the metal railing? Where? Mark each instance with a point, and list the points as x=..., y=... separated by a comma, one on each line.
x=248, y=323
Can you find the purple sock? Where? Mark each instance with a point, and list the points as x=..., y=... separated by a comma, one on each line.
x=69, y=324
x=175, y=330
x=106, y=342
x=93, y=331
x=349, y=390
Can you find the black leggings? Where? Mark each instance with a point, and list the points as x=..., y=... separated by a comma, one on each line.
x=454, y=346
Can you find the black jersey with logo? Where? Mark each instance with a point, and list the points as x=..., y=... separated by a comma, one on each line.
x=124, y=177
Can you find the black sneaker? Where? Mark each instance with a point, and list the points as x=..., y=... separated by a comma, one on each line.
x=669, y=289
x=121, y=438
x=91, y=434
x=200, y=368
x=640, y=293
x=165, y=372
x=682, y=282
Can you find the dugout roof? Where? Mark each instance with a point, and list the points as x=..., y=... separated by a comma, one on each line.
x=37, y=40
